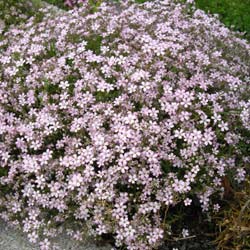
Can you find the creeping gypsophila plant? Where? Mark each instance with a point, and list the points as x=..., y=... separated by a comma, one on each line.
x=107, y=119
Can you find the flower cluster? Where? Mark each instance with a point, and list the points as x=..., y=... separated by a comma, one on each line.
x=107, y=119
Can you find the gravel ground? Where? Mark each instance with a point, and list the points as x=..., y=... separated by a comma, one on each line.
x=11, y=239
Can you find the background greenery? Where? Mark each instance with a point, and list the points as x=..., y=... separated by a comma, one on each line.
x=233, y=13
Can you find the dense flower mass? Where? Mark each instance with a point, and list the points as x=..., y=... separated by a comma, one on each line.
x=107, y=119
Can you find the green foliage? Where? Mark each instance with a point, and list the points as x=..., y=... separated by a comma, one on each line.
x=106, y=96
x=3, y=171
x=50, y=88
x=59, y=3
x=50, y=50
x=94, y=44
x=141, y=1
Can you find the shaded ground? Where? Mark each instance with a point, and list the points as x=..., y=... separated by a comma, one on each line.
x=190, y=244
x=11, y=239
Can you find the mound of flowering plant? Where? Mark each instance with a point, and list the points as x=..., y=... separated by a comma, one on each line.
x=107, y=119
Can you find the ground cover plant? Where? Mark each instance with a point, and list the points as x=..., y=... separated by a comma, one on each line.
x=110, y=119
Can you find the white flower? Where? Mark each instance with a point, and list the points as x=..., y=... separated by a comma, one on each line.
x=64, y=85
x=216, y=207
x=187, y=201
x=185, y=233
